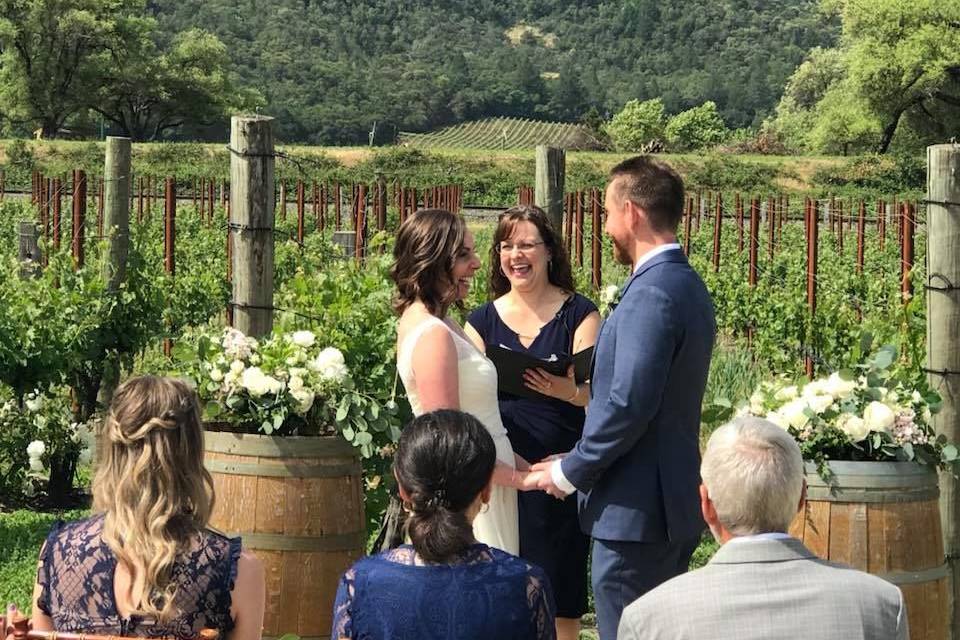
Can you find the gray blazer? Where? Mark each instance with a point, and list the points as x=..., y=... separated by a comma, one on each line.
x=768, y=589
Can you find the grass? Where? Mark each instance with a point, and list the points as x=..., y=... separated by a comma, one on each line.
x=21, y=535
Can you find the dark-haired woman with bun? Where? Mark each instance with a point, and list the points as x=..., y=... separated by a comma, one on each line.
x=444, y=584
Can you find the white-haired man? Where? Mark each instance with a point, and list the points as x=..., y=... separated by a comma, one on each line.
x=762, y=583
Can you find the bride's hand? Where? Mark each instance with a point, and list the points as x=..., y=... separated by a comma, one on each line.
x=531, y=481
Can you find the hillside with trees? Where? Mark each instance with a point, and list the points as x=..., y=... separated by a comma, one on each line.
x=329, y=69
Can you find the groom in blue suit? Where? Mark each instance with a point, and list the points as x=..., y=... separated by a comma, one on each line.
x=636, y=466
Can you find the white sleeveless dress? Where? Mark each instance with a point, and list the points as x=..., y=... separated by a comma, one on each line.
x=497, y=526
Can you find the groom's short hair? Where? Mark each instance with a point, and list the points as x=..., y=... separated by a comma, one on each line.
x=653, y=186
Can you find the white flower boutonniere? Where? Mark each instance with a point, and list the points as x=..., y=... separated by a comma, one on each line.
x=609, y=299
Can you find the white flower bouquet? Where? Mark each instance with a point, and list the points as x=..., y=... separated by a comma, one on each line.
x=873, y=412
x=285, y=384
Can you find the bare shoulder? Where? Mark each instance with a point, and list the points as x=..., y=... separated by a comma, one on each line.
x=249, y=567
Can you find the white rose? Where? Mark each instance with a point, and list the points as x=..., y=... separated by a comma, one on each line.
x=787, y=393
x=36, y=464
x=237, y=367
x=254, y=359
x=795, y=413
x=927, y=415
x=304, y=398
x=304, y=338
x=838, y=387
x=295, y=384
x=915, y=396
x=298, y=372
x=814, y=388
x=216, y=375
x=778, y=419
x=36, y=449
x=34, y=403
x=292, y=361
x=878, y=416
x=327, y=357
x=333, y=372
x=258, y=384
x=854, y=426
x=819, y=404
x=756, y=403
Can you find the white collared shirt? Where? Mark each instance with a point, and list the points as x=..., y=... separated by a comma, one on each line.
x=556, y=473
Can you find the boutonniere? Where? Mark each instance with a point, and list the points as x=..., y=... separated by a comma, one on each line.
x=609, y=299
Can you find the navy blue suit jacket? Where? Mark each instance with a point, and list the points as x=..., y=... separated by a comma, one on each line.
x=637, y=465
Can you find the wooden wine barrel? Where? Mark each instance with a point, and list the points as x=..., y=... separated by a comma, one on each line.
x=297, y=503
x=883, y=518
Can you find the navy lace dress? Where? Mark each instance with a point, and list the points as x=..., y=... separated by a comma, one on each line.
x=486, y=594
x=550, y=535
x=76, y=584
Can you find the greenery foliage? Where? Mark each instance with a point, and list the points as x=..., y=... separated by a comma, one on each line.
x=637, y=125
x=696, y=128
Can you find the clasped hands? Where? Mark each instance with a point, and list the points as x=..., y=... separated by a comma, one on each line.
x=537, y=476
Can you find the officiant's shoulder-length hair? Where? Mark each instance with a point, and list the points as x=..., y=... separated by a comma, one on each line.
x=423, y=257
x=559, y=271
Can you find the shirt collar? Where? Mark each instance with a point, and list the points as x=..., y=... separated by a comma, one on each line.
x=772, y=535
x=652, y=253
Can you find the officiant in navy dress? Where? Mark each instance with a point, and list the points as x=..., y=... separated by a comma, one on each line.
x=536, y=311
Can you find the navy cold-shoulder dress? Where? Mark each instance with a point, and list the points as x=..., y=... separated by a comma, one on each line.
x=550, y=534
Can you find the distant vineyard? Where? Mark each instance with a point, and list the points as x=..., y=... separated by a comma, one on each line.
x=505, y=133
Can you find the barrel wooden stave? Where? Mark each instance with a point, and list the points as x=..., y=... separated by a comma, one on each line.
x=304, y=519
x=894, y=533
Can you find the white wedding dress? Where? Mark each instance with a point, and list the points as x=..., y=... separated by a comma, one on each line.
x=497, y=526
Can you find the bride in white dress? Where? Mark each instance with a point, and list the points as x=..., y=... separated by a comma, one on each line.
x=440, y=368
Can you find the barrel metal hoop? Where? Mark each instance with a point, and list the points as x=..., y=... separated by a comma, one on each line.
x=284, y=542
x=271, y=470
x=916, y=577
x=919, y=494
x=277, y=447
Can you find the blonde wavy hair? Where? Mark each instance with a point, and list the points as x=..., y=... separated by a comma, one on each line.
x=151, y=484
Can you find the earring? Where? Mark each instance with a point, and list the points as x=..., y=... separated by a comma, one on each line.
x=407, y=507
x=485, y=507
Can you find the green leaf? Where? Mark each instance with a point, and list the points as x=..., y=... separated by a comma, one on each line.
x=343, y=410
x=212, y=410
x=363, y=438
x=267, y=427
x=949, y=453
x=348, y=433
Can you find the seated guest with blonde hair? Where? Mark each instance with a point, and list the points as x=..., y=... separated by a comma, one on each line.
x=762, y=583
x=446, y=584
x=146, y=564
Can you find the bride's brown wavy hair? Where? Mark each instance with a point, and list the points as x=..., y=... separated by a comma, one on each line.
x=423, y=258
x=151, y=484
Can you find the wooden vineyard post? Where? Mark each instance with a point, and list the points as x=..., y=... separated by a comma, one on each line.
x=57, y=212
x=115, y=204
x=812, y=239
x=861, y=230
x=717, y=228
x=3, y=184
x=300, y=212
x=211, y=192
x=360, y=224
x=754, y=247
x=100, y=210
x=203, y=198
x=28, y=252
x=169, y=243
x=196, y=196
x=906, y=254
x=738, y=208
x=771, y=227
x=943, y=346
x=381, y=208
x=316, y=207
x=596, y=245
x=881, y=223
x=578, y=227
x=551, y=174
x=252, y=210
x=140, y=199
x=568, y=222
x=688, y=214
x=79, y=217
x=336, y=207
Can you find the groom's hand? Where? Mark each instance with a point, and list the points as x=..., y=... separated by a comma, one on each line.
x=546, y=484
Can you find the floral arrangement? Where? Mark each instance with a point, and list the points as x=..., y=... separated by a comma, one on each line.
x=284, y=384
x=873, y=412
x=46, y=443
x=609, y=298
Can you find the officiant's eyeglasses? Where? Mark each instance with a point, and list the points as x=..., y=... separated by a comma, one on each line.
x=522, y=247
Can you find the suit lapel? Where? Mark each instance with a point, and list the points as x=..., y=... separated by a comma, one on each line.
x=672, y=255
